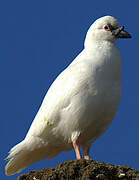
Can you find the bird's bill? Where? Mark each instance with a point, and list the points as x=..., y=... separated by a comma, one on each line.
x=121, y=33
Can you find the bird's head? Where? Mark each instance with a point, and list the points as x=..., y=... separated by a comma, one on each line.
x=106, y=29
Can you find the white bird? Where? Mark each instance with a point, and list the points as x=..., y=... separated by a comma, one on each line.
x=80, y=104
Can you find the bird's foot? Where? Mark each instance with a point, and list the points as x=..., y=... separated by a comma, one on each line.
x=86, y=150
x=77, y=149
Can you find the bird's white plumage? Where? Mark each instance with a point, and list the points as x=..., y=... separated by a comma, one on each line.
x=81, y=103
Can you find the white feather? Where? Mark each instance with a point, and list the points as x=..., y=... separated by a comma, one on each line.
x=81, y=102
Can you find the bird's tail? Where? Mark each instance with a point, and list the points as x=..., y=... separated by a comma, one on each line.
x=24, y=154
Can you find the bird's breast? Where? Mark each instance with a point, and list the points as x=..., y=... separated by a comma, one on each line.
x=94, y=103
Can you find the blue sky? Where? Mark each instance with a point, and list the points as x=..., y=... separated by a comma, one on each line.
x=38, y=39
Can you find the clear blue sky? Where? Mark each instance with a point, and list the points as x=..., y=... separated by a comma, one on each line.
x=38, y=39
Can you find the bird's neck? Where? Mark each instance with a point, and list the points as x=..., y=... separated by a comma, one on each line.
x=92, y=44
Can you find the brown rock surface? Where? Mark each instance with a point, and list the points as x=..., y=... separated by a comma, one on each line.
x=83, y=170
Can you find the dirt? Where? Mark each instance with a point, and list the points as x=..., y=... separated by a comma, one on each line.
x=83, y=170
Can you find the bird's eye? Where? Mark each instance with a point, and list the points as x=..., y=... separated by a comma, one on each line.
x=106, y=28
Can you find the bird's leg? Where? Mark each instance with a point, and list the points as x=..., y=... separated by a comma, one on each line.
x=77, y=149
x=86, y=152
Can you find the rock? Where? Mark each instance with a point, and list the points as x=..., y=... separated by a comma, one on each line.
x=83, y=170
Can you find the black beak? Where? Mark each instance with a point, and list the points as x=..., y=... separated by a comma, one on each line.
x=121, y=33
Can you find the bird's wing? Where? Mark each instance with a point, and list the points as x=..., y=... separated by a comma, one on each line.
x=59, y=96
